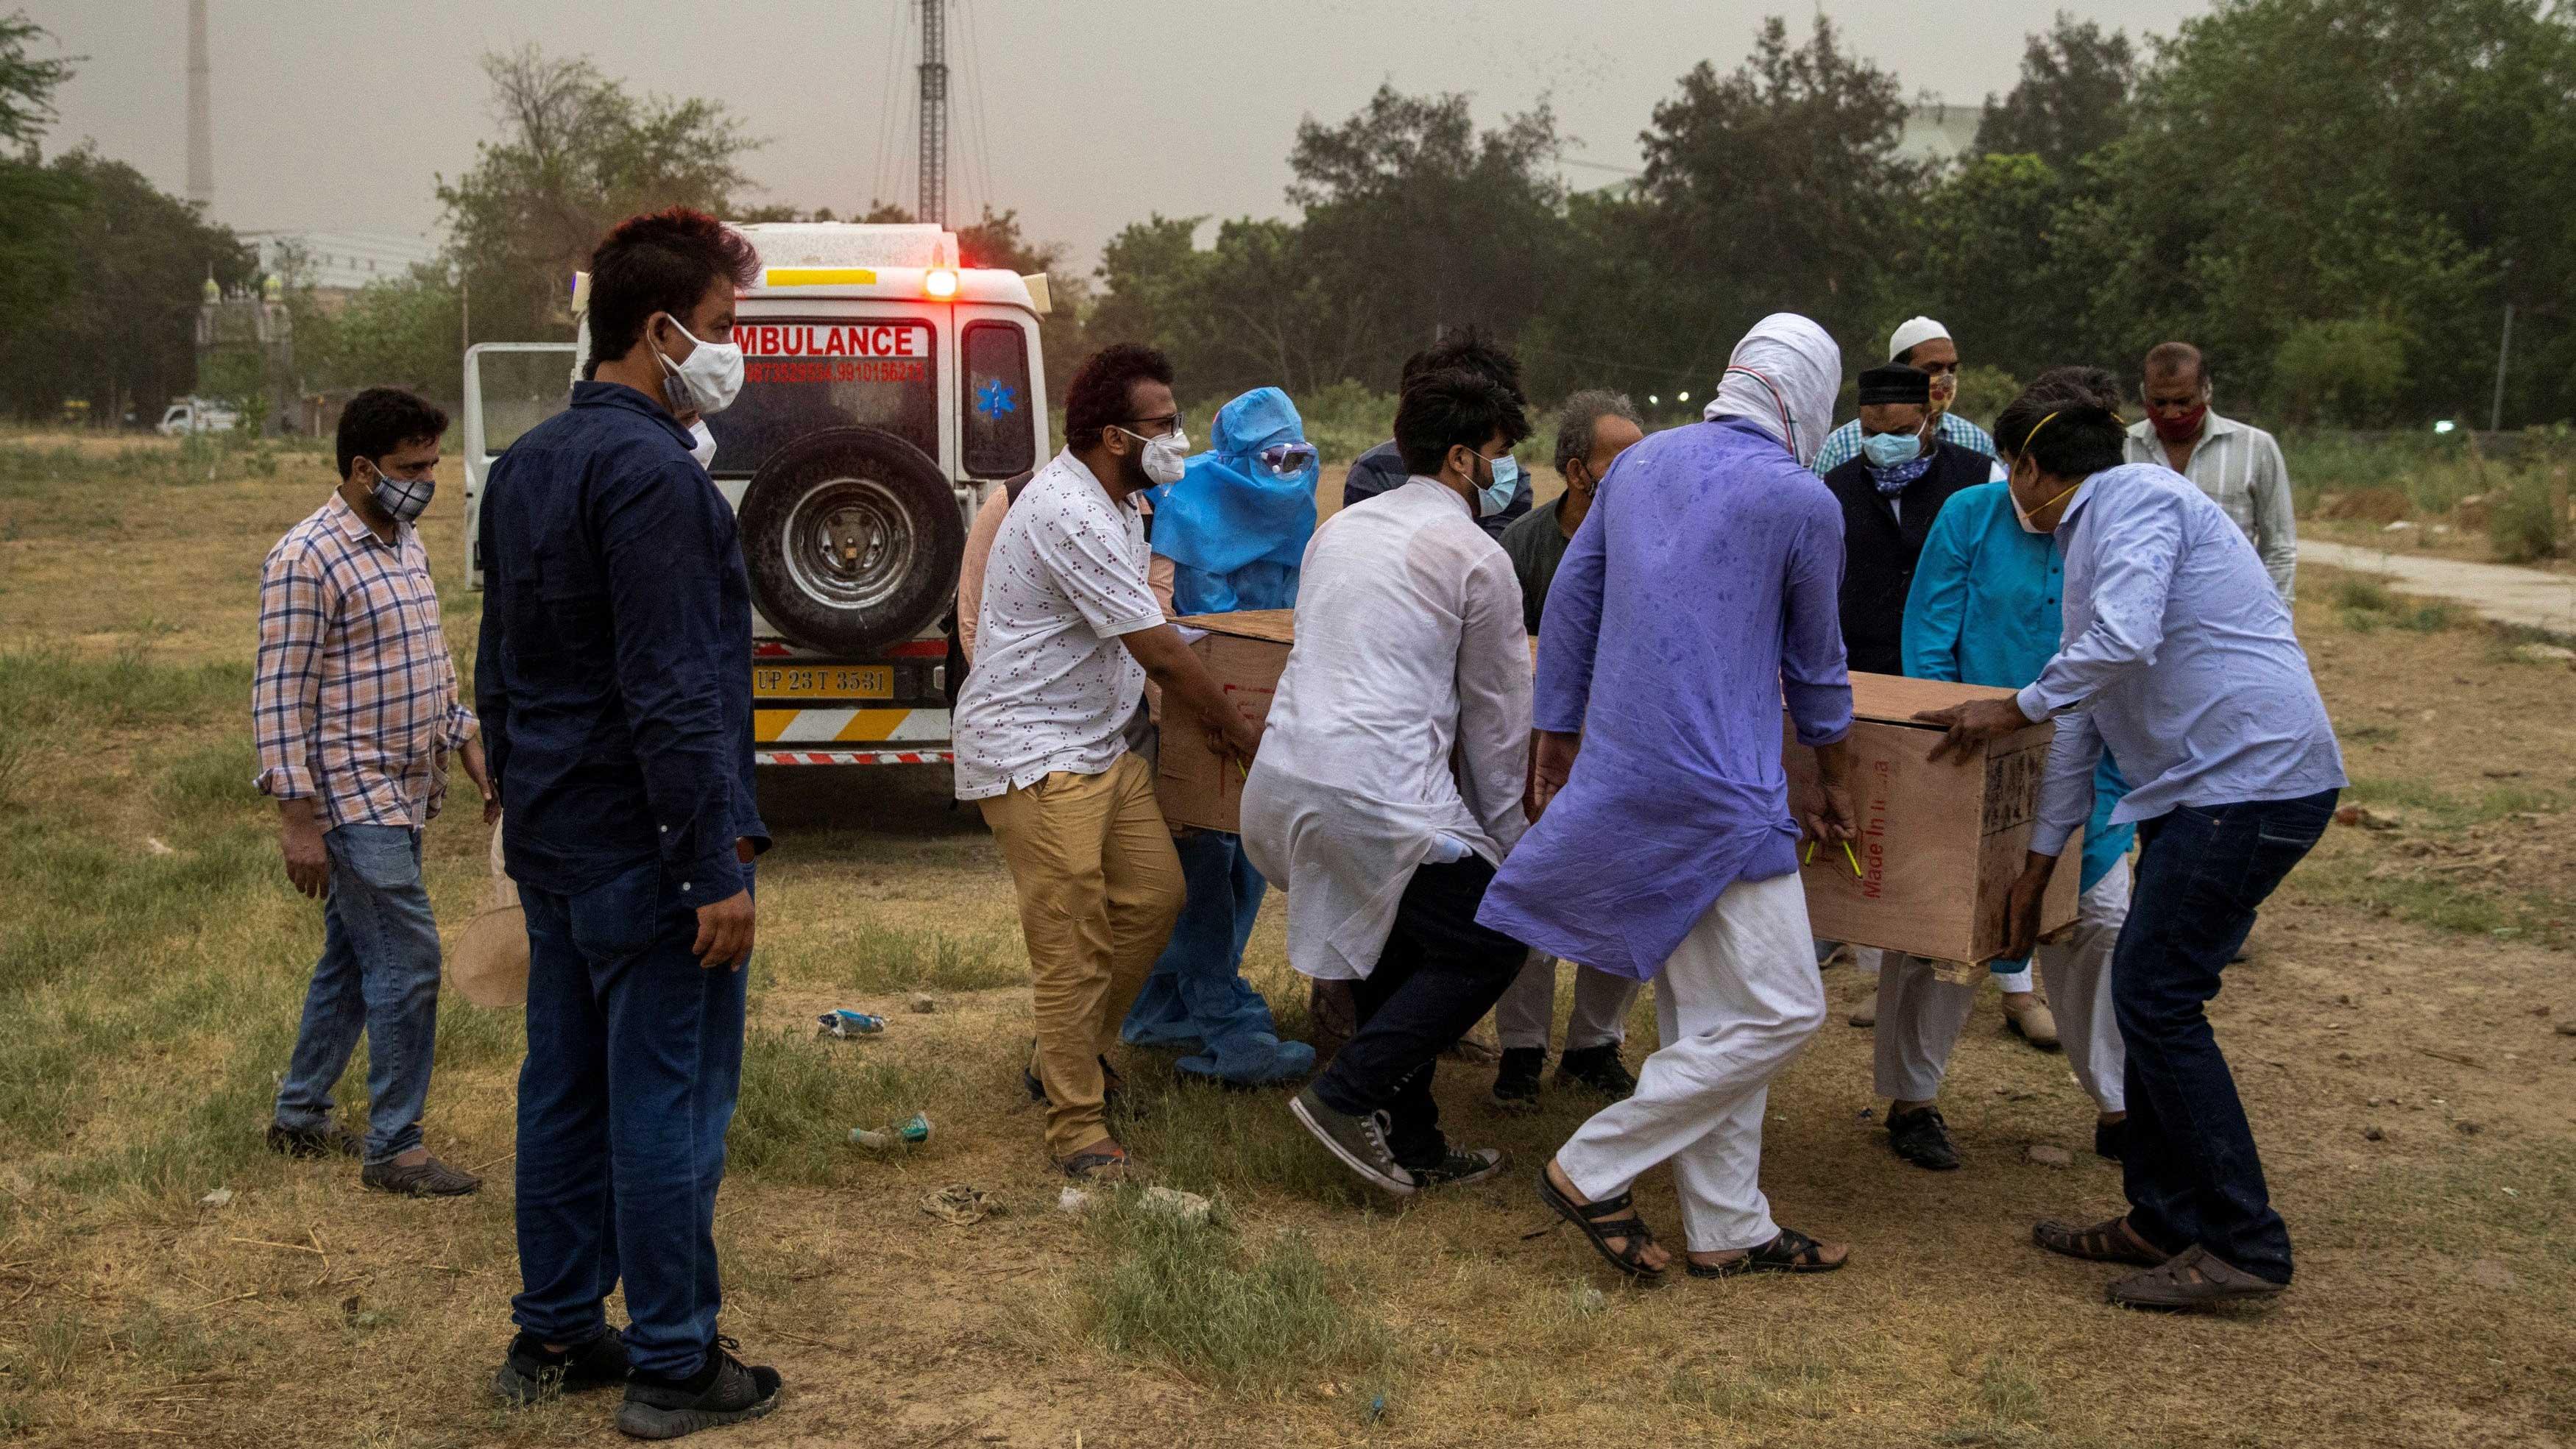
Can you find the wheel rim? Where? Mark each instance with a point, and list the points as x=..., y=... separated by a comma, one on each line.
x=849, y=544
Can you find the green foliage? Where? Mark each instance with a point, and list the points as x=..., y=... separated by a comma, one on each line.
x=2527, y=516
x=2072, y=98
x=403, y=332
x=27, y=84
x=1984, y=392
x=114, y=318
x=578, y=153
x=2349, y=372
x=1346, y=419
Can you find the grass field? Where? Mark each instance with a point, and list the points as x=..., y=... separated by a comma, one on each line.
x=2394, y=1035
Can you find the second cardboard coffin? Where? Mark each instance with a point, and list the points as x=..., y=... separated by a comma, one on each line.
x=1941, y=840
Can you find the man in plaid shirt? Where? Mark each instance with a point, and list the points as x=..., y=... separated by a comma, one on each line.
x=354, y=712
x=1924, y=345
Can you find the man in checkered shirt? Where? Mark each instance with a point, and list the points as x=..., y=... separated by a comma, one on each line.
x=354, y=712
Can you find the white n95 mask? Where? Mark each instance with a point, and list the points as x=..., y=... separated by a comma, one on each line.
x=707, y=381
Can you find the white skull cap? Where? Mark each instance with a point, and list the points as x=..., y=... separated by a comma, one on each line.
x=1916, y=331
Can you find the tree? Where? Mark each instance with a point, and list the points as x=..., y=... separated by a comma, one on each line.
x=1414, y=222
x=2290, y=158
x=37, y=205
x=577, y=154
x=1775, y=187
x=2072, y=98
x=1996, y=262
x=120, y=328
x=995, y=240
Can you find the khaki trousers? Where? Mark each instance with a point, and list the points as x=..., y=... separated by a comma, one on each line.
x=1099, y=888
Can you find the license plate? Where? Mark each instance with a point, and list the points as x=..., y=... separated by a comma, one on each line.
x=827, y=681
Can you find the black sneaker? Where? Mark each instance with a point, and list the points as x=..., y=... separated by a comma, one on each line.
x=1597, y=1068
x=1360, y=1142
x=1458, y=1169
x=329, y=1140
x=1516, y=1082
x=531, y=1375
x=2110, y=1139
x=726, y=1391
x=1922, y=1138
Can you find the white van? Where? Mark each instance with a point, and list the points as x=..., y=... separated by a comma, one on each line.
x=886, y=390
x=196, y=415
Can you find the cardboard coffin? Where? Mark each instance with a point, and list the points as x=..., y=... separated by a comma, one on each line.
x=1196, y=781
x=1941, y=842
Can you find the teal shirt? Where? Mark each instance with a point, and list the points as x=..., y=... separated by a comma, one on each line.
x=1984, y=610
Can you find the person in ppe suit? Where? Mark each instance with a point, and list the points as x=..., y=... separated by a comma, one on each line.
x=1234, y=529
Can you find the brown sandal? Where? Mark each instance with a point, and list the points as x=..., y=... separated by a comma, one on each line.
x=2109, y=1241
x=2192, y=1278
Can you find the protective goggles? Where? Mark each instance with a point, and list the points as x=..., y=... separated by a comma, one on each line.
x=1286, y=460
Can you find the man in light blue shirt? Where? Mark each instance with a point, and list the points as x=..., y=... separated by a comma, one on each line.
x=2178, y=655
x=1983, y=609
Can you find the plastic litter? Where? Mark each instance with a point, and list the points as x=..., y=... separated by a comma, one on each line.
x=1073, y=1201
x=1189, y=1207
x=843, y=1022
x=217, y=1198
x=911, y=1132
x=960, y=1205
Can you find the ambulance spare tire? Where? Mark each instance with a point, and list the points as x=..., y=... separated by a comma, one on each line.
x=851, y=537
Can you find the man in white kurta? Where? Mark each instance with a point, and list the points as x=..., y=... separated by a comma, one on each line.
x=1389, y=785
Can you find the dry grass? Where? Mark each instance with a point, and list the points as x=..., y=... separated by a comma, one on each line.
x=150, y=998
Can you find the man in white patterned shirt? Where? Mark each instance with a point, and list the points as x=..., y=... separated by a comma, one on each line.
x=1069, y=632
x=2237, y=465
x=354, y=712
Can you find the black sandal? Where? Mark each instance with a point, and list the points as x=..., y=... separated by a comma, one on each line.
x=2104, y=1242
x=1600, y=1222
x=1791, y=1252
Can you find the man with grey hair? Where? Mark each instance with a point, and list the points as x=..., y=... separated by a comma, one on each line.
x=1594, y=428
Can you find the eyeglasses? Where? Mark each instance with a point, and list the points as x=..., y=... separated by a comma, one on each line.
x=1154, y=427
x=1286, y=460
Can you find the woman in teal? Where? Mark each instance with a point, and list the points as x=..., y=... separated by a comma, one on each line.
x=1984, y=610
x=1235, y=529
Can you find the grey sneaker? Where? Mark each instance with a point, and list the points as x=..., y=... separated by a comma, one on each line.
x=1360, y=1142
x=432, y=1178
x=1459, y=1169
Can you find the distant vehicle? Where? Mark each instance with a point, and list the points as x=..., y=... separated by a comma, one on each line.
x=196, y=415
x=887, y=391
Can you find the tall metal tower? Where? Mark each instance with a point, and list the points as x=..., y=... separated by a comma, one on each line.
x=934, y=110
x=201, y=121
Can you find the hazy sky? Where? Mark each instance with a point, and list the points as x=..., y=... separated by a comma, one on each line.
x=335, y=113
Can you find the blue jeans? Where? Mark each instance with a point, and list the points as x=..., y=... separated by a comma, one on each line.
x=634, y=1062
x=2192, y=1173
x=1196, y=996
x=378, y=974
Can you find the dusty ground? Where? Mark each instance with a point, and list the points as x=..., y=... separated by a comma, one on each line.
x=2394, y=1035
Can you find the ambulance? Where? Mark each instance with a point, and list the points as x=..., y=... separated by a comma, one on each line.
x=887, y=390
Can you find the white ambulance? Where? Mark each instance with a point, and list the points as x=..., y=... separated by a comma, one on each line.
x=886, y=391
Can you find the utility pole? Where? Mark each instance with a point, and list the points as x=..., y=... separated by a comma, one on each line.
x=2504, y=354
x=934, y=111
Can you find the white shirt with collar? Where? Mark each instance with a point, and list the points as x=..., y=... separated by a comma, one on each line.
x=1052, y=687
x=2239, y=466
x=1403, y=717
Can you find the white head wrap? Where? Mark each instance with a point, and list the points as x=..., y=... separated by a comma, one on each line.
x=1782, y=379
x=1915, y=332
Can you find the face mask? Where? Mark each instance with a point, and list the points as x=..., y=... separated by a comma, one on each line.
x=2026, y=517
x=1945, y=386
x=1886, y=450
x=1495, y=496
x=704, y=449
x=707, y=381
x=2180, y=429
x=1166, y=458
x=404, y=498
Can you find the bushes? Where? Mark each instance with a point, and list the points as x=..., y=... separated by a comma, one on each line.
x=2527, y=515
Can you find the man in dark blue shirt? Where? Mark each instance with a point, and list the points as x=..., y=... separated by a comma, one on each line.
x=1380, y=470
x=614, y=684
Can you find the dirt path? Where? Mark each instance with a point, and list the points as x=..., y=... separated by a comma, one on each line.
x=2500, y=592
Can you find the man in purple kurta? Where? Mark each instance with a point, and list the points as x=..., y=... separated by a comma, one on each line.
x=1700, y=592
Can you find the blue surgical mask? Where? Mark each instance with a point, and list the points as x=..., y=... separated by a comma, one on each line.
x=1496, y=496
x=1887, y=450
